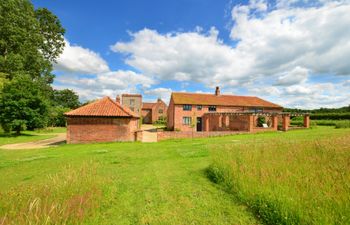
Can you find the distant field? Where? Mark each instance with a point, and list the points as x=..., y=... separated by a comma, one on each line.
x=169, y=183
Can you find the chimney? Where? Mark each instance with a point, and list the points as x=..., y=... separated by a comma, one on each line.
x=217, y=90
x=117, y=99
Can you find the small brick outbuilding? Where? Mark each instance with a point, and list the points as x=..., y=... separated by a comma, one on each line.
x=101, y=121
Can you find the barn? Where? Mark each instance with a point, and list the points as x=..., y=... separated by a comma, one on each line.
x=104, y=120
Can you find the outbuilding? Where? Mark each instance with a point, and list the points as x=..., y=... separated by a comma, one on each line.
x=104, y=120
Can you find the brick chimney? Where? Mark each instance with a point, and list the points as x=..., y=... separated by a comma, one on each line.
x=117, y=99
x=217, y=90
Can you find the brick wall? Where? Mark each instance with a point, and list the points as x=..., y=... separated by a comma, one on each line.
x=164, y=135
x=95, y=129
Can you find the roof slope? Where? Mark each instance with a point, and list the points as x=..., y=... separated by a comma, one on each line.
x=148, y=105
x=220, y=100
x=104, y=107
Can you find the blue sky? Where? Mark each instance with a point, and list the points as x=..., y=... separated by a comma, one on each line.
x=290, y=52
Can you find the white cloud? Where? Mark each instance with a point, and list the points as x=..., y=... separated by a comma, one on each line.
x=188, y=56
x=279, y=44
x=105, y=84
x=76, y=59
x=163, y=93
x=296, y=76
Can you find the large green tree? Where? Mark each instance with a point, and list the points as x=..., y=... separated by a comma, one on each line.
x=66, y=98
x=23, y=105
x=30, y=42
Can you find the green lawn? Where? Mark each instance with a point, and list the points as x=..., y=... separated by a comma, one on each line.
x=127, y=183
x=27, y=136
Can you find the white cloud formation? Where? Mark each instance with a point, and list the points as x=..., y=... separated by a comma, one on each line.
x=296, y=76
x=76, y=59
x=163, y=93
x=280, y=44
x=105, y=84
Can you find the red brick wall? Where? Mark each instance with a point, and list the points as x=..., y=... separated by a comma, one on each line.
x=146, y=115
x=155, y=111
x=163, y=135
x=95, y=129
x=170, y=115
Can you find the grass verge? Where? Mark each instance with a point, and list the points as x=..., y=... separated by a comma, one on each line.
x=288, y=181
x=66, y=197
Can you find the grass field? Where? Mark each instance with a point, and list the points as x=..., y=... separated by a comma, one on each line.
x=27, y=136
x=161, y=183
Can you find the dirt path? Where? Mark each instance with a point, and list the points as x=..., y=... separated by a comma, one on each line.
x=51, y=142
x=149, y=133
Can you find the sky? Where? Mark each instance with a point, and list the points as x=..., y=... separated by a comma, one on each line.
x=295, y=53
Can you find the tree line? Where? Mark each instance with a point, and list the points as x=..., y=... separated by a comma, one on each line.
x=31, y=40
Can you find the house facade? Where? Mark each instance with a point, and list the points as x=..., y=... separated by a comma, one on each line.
x=152, y=112
x=133, y=102
x=104, y=120
x=189, y=111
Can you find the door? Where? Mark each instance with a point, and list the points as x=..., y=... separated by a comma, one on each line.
x=199, y=123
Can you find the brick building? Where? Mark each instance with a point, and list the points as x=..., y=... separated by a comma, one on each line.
x=101, y=121
x=151, y=112
x=133, y=102
x=208, y=112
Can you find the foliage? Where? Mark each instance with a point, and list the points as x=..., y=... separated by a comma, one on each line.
x=261, y=120
x=30, y=40
x=56, y=116
x=23, y=105
x=65, y=98
x=343, y=124
x=285, y=181
x=320, y=110
x=161, y=121
x=330, y=116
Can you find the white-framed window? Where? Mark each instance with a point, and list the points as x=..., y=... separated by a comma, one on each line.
x=187, y=107
x=132, y=102
x=186, y=120
x=199, y=107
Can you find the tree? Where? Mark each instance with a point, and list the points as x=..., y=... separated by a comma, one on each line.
x=66, y=98
x=30, y=40
x=23, y=105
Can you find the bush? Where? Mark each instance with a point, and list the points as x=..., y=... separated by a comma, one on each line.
x=330, y=116
x=261, y=121
x=161, y=121
x=342, y=124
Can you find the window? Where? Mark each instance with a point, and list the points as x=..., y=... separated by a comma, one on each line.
x=132, y=109
x=256, y=110
x=160, y=111
x=187, y=107
x=212, y=108
x=199, y=107
x=186, y=120
x=132, y=102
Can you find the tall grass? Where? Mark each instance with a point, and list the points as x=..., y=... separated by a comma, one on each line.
x=65, y=198
x=288, y=182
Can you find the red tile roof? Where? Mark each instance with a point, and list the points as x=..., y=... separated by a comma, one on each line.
x=104, y=107
x=148, y=105
x=182, y=98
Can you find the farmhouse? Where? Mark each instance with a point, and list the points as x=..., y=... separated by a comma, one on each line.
x=104, y=120
x=217, y=112
x=152, y=112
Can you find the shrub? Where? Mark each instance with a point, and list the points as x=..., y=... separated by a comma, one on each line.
x=330, y=116
x=342, y=124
